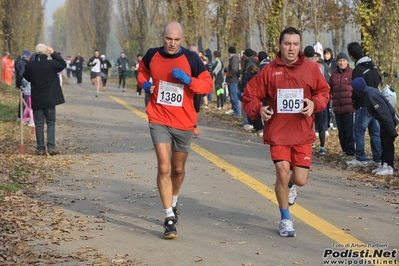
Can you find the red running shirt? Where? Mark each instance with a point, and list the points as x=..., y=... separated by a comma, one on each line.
x=171, y=104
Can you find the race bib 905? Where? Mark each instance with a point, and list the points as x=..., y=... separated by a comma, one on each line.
x=289, y=100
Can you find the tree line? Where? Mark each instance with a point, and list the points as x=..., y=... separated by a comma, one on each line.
x=83, y=26
x=21, y=24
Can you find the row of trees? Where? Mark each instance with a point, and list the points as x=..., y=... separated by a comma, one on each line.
x=82, y=25
x=232, y=22
x=21, y=24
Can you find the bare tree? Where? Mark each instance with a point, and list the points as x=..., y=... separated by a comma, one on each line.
x=137, y=29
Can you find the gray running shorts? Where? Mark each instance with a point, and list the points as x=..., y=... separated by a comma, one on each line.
x=95, y=74
x=180, y=139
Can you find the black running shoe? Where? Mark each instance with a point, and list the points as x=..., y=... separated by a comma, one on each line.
x=177, y=213
x=170, y=228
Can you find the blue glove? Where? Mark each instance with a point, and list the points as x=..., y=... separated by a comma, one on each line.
x=147, y=86
x=180, y=75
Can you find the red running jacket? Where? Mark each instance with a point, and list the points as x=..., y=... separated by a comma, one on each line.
x=287, y=129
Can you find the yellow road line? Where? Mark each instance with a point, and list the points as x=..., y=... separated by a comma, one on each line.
x=127, y=106
x=318, y=223
x=301, y=213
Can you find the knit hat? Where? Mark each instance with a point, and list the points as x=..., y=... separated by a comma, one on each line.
x=309, y=51
x=262, y=55
x=342, y=55
x=41, y=48
x=232, y=50
x=358, y=85
x=102, y=56
x=25, y=53
x=248, y=52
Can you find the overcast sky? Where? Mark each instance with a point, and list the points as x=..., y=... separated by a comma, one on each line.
x=51, y=6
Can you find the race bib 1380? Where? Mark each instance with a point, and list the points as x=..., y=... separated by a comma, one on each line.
x=170, y=94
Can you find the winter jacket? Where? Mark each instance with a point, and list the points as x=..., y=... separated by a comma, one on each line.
x=326, y=69
x=365, y=68
x=263, y=63
x=233, y=69
x=380, y=109
x=246, y=75
x=122, y=64
x=19, y=71
x=332, y=63
x=45, y=83
x=78, y=62
x=341, y=90
x=217, y=73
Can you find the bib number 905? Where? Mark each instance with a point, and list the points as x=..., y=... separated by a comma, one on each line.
x=291, y=103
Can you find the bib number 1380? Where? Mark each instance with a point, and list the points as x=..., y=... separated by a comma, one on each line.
x=170, y=94
x=171, y=97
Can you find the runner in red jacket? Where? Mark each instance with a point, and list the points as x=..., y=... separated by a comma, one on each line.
x=293, y=89
x=172, y=74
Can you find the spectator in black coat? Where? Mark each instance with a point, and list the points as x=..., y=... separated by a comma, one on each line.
x=380, y=109
x=46, y=93
x=365, y=68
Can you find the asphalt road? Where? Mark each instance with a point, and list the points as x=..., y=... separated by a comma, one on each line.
x=228, y=210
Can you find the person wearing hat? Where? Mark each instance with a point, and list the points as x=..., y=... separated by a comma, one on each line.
x=19, y=69
x=365, y=68
x=105, y=66
x=232, y=77
x=95, y=71
x=46, y=93
x=250, y=67
x=380, y=109
x=263, y=59
x=341, y=95
x=286, y=94
x=309, y=52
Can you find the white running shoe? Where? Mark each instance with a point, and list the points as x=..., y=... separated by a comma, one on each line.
x=248, y=127
x=286, y=228
x=229, y=112
x=292, y=195
x=355, y=162
x=377, y=170
x=386, y=170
